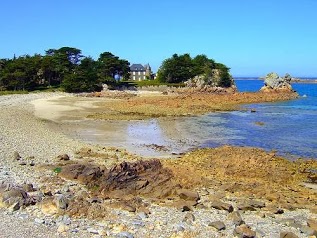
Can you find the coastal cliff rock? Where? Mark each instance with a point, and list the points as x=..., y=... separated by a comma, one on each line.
x=273, y=82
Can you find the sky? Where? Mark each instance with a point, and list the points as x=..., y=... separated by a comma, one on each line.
x=252, y=37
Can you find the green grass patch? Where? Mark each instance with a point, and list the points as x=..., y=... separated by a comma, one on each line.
x=145, y=83
x=13, y=92
x=57, y=170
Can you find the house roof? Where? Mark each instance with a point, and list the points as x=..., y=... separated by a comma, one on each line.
x=137, y=67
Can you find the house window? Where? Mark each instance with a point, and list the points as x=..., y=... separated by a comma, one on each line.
x=133, y=77
x=139, y=73
x=133, y=72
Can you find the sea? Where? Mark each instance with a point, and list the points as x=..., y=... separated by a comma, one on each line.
x=289, y=128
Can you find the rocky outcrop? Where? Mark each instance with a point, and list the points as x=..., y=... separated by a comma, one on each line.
x=273, y=82
x=145, y=177
x=205, y=83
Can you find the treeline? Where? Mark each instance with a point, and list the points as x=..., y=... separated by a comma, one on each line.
x=65, y=67
x=68, y=68
x=180, y=68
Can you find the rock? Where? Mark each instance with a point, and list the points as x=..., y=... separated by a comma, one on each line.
x=28, y=187
x=142, y=215
x=12, y=196
x=129, y=208
x=92, y=230
x=184, y=206
x=124, y=234
x=61, y=201
x=274, y=209
x=144, y=177
x=89, y=174
x=209, y=83
x=219, y=225
x=244, y=231
x=14, y=207
x=286, y=234
x=257, y=203
x=180, y=227
x=39, y=221
x=145, y=210
x=308, y=230
x=83, y=173
x=63, y=157
x=48, y=206
x=189, y=218
x=251, y=205
x=16, y=156
x=236, y=218
x=188, y=195
x=246, y=207
x=62, y=228
x=273, y=82
x=312, y=223
x=222, y=206
x=289, y=222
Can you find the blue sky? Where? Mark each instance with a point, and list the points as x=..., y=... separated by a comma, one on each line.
x=252, y=37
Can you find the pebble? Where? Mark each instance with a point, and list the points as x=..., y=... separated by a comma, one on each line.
x=219, y=225
x=39, y=221
x=124, y=234
x=92, y=230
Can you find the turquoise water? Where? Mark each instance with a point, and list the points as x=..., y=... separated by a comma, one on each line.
x=288, y=127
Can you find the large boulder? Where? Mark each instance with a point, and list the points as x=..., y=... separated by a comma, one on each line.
x=273, y=82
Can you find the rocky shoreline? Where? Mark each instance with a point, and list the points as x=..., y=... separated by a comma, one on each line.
x=55, y=186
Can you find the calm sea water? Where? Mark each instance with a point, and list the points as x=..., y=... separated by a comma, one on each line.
x=288, y=127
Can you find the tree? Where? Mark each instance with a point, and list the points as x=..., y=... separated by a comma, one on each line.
x=64, y=61
x=176, y=69
x=225, y=79
x=180, y=68
x=111, y=66
x=84, y=78
x=203, y=65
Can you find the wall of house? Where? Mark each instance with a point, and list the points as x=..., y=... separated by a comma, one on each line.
x=137, y=75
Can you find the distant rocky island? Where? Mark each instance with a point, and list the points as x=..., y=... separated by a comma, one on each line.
x=273, y=82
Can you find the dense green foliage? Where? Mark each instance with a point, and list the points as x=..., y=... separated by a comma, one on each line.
x=180, y=68
x=65, y=67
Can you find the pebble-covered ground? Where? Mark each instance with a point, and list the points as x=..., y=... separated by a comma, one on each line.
x=32, y=138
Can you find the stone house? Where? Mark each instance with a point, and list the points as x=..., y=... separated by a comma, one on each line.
x=139, y=72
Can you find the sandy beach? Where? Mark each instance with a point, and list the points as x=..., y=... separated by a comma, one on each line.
x=34, y=125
